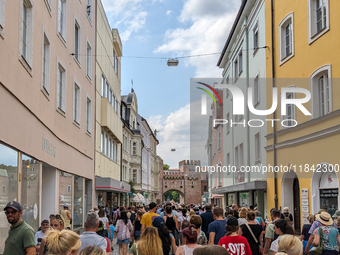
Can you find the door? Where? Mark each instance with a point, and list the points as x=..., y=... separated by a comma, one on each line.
x=296, y=198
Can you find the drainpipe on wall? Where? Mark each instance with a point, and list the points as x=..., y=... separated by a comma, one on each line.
x=274, y=114
x=247, y=112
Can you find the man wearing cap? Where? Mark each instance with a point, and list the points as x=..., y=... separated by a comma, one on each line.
x=146, y=220
x=45, y=225
x=20, y=240
x=66, y=216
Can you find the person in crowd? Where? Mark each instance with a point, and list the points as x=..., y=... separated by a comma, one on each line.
x=270, y=235
x=148, y=244
x=287, y=216
x=242, y=216
x=289, y=245
x=65, y=213
x=197, y=210
x=336, y=215
x=62, y=242
x=228, y=213
x=305, y=228
x=171, y=221
x=201, y=237
x=111, y=232
x=181, y=217
x=96, y=209
x=168, y=240
x=216, y=229
x=146, y=220
x=123, y=228
x=92, y=250
x=101, y=231
x=207, y=218
x=235, y=210
x=258, y=219
x=189, y=241
x=338, y=223
x=281, y=228
x=330, y=235
x=115, y=215
x=90, y=237
x=137, y=226
x=210, y=249
x=192, y=212
x=45, y=225
x=163, y=212
x=57, y=223
x=20, y=238
x=253, y=232
x=105, y=220
x=234, y=243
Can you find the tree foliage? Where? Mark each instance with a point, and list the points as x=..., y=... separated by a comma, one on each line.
x=166, y=167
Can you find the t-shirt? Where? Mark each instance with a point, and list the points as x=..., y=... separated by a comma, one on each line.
x=217, y=226
x=257, y=230
x=207, y=218
x=273, y=246
x=89, y=238
x=329, y=238
x=147, y=219
x=242, y=221
x=235, y=245
x=305, y=229
x=38, y=235
x=104, y=220
x=20, y=237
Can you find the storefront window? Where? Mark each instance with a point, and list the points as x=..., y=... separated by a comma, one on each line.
x=244, y=199
x=88, y=195
x=65, y=189
x=231, y=199
x=329, y=192
x=9, y=180
x=30, y=191
x=78, y=202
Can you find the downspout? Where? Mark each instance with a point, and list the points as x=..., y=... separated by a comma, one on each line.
x=247, y=112
x=95, y=112
x=274, y=114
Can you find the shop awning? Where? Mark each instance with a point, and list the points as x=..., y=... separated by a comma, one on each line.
x=109, y=184
x=253, y=185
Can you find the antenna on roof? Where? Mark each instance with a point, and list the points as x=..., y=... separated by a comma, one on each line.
x=131, y=85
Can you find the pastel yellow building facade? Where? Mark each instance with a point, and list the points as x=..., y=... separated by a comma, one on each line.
x=306, y=55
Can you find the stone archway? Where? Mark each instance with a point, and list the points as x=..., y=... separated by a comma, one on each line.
x=181, y=196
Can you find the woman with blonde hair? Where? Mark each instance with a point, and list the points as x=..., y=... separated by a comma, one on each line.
x=56, y=223
x=289, y=244
x=65, y=242
x=92, y=250
x=242, y=216
x=148, y=244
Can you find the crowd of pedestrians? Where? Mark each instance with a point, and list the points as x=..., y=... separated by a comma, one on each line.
x=173, y=229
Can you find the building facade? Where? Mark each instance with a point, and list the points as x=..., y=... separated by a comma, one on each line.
x=243, y=60
x=303, y=54
x=47, y=140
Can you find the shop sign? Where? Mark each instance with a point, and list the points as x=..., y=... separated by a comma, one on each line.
x=48, y=147
x=326, y=193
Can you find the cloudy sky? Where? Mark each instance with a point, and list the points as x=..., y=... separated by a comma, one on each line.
x=163, y=29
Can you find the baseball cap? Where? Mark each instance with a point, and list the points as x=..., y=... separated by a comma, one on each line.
x=66, y=205
x=232, y=221
x=157, y=221
x=15, y=205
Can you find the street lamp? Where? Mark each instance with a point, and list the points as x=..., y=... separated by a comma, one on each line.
x=172, y=62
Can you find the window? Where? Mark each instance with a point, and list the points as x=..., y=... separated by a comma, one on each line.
x=290, y=111
x=88, y=60
x=286, y=40
x=62, y=18
x=76, y=103
x=134, y=175
x=256, y=37
x=26, y=40
x=68, y=188
x=321, y=89
x=61, y=88
x=256, y=91
x=219, y=138
x=240, y=64
x=241, y=154
x=103, y=86
x=134, y=148
x=237, y=163
x=88, y=114
x=257, y=148
x=227, y=82
x=228, y=125
x=318, y=22
x=102, y=142
x=46, y=65
x=236, y=69
x=89, y=9
x=115, y=61
x=77, y=41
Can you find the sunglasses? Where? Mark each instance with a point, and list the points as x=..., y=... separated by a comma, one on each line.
x=57, y=216
x=11, y=212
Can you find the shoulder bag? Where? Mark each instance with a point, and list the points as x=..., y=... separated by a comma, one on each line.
x=317, y=250
x=252, y=234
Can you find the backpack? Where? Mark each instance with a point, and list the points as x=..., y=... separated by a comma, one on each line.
x=133, y=217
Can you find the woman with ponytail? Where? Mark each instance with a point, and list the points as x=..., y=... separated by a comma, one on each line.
x=281, y=228
x=65, y=242
x=148, y=244
x=189, y=241
x=234, y=243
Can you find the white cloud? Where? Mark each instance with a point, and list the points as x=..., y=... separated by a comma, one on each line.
x=129, y=14
x=211, y=22
x=168, y=12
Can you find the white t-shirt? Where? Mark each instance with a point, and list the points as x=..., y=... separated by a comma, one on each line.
x=273, y=246
x=38, y=235
x=104, y=220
